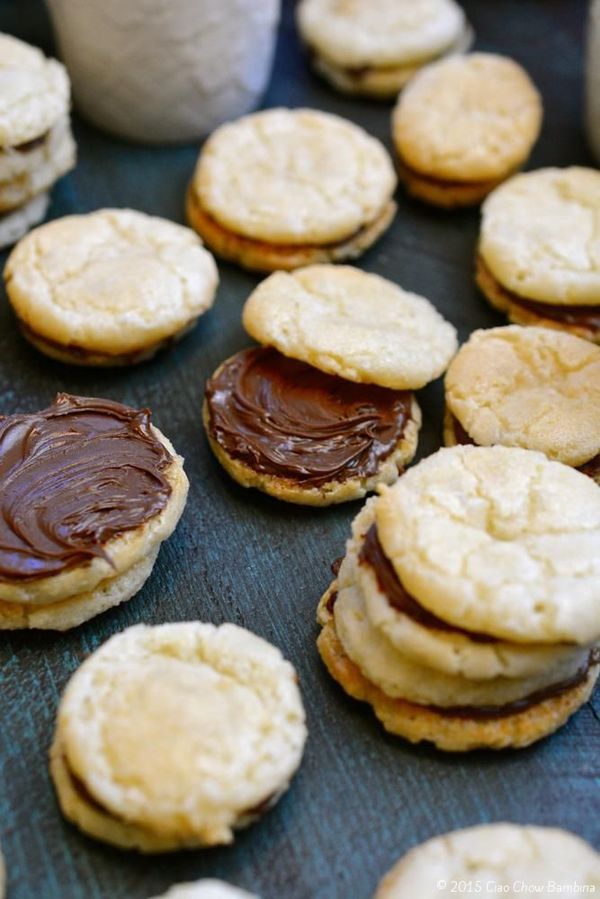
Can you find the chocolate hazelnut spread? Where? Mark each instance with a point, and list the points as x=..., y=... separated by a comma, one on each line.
x=389, y=583
x=287, y=419
x=72, y=477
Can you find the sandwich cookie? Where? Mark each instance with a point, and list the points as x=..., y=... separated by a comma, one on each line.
x=324, y=410
x=285, y=188
x=505, y=859
x=36, y=144
x=464, y=125
x=206, y=889
x=466, y=610
x=172, y=737
x=109, y=288
x=538, y=257
x=372, y=49
x=529, y=387
x=89, y=489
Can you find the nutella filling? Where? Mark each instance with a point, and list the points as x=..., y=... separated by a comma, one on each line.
x=29, y=145
x=591, y=468
x=587, y=317
x=389, y=583
x=72, y=477
x=287, y=419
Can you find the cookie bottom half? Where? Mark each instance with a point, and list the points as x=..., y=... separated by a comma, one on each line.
x=446, y=194
x=450, y=733
x=71, y=612
x=332, y=492
x=15, y=224
x=581, y=321
x=261, y=256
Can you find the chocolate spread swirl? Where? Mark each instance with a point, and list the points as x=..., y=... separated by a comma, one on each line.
x=72, y=477
x=285, y=418
x=389, y=583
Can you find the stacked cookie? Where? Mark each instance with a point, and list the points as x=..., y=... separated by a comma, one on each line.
x=531, y=387
x=285, y=188
x=206, y=889
x=538, y=257
x=36, y=144
x=324, y=410
x=467, y=607
x=464, y=125
x=372, y=49
x=495, y=859
x=90, y=489
x=173, y=736
x=109, y=288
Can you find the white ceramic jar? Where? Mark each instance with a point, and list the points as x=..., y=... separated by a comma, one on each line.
x=163, y=71
x=592, y=87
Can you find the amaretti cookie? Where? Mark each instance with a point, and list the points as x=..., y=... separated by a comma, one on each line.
x=206, y=889
x=172, y=737
x=285, y=188
x=372, y=49
x=109, y=288
x=499, y=859
x=538, y=258
x=529, y=387
x=324, y=410
x=36, y=144
x=463, y=125
x=89, y=489
x=466, y=610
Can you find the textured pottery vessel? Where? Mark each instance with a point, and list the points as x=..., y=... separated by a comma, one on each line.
x=164, y=71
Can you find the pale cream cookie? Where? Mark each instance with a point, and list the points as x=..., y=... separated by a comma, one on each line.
x=453, y=732
x=399, y=676
x=206, y=889
x=350, y=323
x=538, y=257
x=287, y=187
x=448, y=651
x=372, y=49
x=219, y=708
x=504, y=859
x=13, y=225
x=110, y=287
x=28, y=172
x=498, y=540
x=529, y=387
x=463, y=125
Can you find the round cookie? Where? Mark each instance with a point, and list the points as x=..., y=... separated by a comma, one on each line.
x=13, y=225
x=223, y=714
x=498, y=540
x=463, y=125
x=504, y=858
x=109, y=288
x=537, y=257
x=441, y=649
x=89, y=490
x=206, y=889
x=372, y=49
x=29, y=171
x=349, y=323
x=284, y=188
x=450, y=732
x=531, y=387
x=35, y=92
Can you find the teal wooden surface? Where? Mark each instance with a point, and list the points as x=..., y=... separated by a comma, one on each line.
x=361, y=798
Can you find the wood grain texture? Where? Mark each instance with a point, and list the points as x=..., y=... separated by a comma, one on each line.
x=361, y=798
